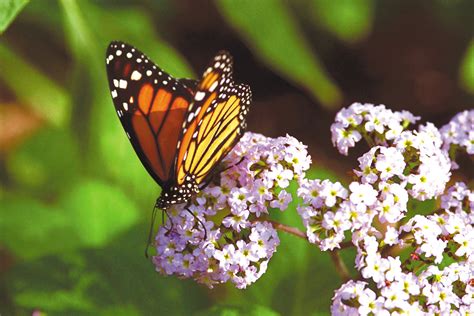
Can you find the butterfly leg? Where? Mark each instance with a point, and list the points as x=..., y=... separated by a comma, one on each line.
x=150, y=232
x=238, y=163
x=197, y=220
x=165, y=211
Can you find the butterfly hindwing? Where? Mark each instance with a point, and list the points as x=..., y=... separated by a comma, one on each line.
x=215, y=122
x=151, y=106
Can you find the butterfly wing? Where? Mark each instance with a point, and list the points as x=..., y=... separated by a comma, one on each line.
x=151, y=106
x=214, y=123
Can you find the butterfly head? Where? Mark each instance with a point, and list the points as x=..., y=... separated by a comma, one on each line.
x=177, y=194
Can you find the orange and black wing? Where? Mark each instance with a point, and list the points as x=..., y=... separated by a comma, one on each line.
x=152, y=107
x=214, y=123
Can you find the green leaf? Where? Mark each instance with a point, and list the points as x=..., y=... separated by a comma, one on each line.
x=323, y=174
x=90, y=215
x=44, y=96
x=272, y=33
x=52, y=285
x=115, y=153
x=45, y=162
x=349, y=20
x=116, y=279
x=467, y=69
x=99, y=212
x=416, y=207
x=90, y=29
x=9, y=9
x=139, y=31
x=31, y=229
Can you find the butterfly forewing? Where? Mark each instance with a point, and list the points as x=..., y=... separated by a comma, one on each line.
x=151, y=106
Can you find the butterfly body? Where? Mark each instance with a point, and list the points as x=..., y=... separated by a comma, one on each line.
x=180, y=129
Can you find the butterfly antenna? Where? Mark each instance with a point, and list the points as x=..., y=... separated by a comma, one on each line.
x=198, y=220
x=165, y=211
x=150, y=232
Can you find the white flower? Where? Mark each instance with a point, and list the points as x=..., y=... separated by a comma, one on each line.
x=394, y=271
x=391, y=236
x=367, y=171
x=410, y=283
x=331, y=191
x=465, y=240
x=363, y=195
x=226, y=256
x=375, y=267
x=434, y=248
x=370, y=304
x=390, y=162
x=342, y=138
x=337, y=221
x=280, y=175
x=395, y=296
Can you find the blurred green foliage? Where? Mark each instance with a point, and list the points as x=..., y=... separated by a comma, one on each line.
x=75, y=211
x=45, y=97
x=271, y=31
x=467, y=69
x=8, y=11
x=349, y=20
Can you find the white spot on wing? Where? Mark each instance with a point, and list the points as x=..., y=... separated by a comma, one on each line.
x=199, y=96
x=123, y=84
x=125, y=106
x=136, y=75
x=118, y=52
x=114, y=94
x=213, y=86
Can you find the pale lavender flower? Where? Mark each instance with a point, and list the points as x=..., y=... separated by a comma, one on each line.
x=237, y=247
x=377, y=122
x=460, y=131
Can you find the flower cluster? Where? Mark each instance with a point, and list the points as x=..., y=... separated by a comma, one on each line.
x=458, y=135
x=433, y=292
x=366, y=120
x=400, y=287
x=223, y=236
x=404, y=163
x=408, y=263
x=412, y=164
x=411, y=158
x=460, y=200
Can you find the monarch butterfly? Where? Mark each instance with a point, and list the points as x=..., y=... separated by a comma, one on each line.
x=180, y=129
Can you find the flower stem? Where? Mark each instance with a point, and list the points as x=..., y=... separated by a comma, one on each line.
x=346, y=244
x=367, y=138
x=284, y=228
x=341, y=268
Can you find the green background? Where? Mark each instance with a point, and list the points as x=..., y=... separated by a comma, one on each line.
x=75, y=200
